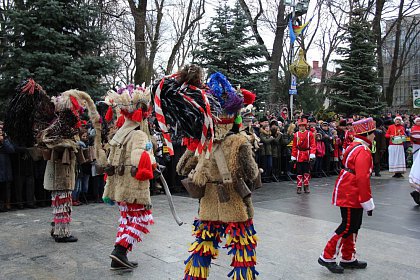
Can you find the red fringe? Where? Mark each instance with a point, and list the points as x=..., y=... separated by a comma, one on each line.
x=109, y=114
x=120, y=121
x=191, y=143
x=137, y=116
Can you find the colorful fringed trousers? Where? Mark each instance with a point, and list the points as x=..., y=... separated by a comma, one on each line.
x=241, y=242
x=134, y=223
x=61, y=204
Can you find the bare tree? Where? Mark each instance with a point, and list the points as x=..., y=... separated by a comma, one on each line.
x=185, y=22
x=279, y=24
x=399, y=43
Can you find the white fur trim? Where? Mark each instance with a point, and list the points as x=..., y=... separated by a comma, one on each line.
x=398, y=117
x=368, y=205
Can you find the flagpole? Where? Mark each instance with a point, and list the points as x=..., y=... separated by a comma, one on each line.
x=293, y=5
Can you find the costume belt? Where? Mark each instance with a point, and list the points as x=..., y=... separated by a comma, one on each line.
x=303, y=149
x=350, y=170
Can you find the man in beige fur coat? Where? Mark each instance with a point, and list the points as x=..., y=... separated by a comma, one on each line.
x=220, y=167
x=130, y=167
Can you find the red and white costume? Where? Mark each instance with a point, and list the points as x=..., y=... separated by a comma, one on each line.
x=303, y=150
x=337, y=151
x=357, y=162
x=352, y=194
x=414, y=177
x=396, y=154
x=348, y=139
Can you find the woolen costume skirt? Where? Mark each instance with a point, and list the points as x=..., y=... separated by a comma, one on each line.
x=241, y=241
x=396, y=158
x=134, y=224
x=61, y=204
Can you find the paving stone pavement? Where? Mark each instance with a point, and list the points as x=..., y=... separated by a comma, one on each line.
x=293, y=230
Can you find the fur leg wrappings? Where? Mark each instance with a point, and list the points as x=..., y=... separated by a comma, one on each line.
x=134, y=223
x=61, y=204
x=241, y=239
x=203, y=249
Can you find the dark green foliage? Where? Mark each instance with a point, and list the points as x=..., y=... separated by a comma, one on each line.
x=356, y=88
x=58, y=44
x=228, y=47
x=309, y=99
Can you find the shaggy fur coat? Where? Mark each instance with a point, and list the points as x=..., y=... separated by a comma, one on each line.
x=241, y=164
x=60, y=172
x=127, y=188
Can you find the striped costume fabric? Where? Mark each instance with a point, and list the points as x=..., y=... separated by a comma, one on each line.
x=241, y=242
x=61, y=202
x=134, y=223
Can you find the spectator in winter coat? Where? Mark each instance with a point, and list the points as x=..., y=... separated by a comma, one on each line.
x=320, y=153
x=276, y=150
x=266, y=152
x=327, y=139
x=287, y=142
x=6, y=177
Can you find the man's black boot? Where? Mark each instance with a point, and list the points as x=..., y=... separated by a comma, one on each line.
x=119, y=254
x=416, y=197
x=66, y=239
x=332, y=266
x=117, y=266
x=355, y=264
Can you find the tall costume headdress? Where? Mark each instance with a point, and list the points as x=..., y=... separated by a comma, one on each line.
x=182, y=103
x=29, y=112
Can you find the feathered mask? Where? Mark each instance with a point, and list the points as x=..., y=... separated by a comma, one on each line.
x=29, y=112
x=221, y=88
x=132, y=101
x=188, y=108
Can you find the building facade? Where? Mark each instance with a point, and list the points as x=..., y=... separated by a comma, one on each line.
x=410, y=61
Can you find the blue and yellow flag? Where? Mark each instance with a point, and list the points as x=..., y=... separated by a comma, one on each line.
x=291, y=32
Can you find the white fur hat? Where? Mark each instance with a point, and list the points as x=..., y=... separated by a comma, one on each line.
x=398, y=117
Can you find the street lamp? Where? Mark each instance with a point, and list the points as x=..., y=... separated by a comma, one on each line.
x=299, y=8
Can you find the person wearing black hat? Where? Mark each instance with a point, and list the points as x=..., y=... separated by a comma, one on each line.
x=380, y=146
x=327, y=139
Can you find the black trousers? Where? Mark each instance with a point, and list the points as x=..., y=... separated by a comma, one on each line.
x=303, y=167
x=351, y=221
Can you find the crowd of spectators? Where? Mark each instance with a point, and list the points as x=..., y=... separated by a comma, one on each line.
x=275, y=134
x=22, y=169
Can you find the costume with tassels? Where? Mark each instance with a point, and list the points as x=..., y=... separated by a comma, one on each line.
x=130, y=167
x=218, y=173
x=50, y=125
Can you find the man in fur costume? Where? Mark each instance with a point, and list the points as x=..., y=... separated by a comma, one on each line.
x=129, y=169
x=303, y=151
x=51, y=124
x=58, y=137
x=219, y=171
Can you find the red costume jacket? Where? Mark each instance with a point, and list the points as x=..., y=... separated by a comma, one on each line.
x=352, y=188
x=348, y=138
x=395, y=130
x=303, y=145
x=337, y=148
x=415, y=134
